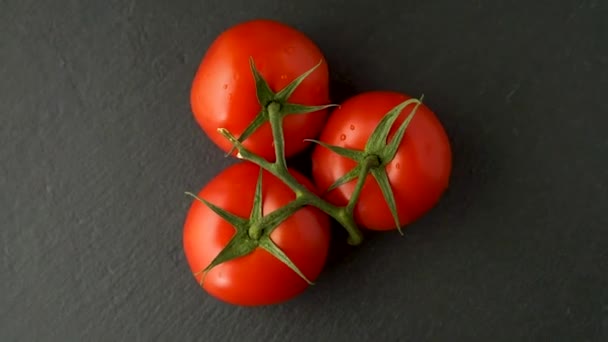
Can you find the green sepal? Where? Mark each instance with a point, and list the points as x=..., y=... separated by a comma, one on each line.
x=284, y=94
x=349, y=176
x=385, y=185
x=391, y=148
x=377, y=140
x=345, y=152
x=355, y=155
x=267, y=244
x=240, y=245
x=263, y=92
x=234, y=220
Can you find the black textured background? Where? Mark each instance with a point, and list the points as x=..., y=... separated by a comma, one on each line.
x=98, y=144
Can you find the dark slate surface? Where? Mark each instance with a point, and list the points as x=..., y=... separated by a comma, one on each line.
x=97, y=145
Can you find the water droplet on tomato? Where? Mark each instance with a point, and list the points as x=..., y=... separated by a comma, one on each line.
x=352, y=127
x=342, y=137
x=283, y=77
x=397, y=166
x=236, y=76
x=289, y=50
x=225, y=86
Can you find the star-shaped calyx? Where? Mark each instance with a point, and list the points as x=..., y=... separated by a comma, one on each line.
x=251, y=233
x=376, y=155
x=266, y=97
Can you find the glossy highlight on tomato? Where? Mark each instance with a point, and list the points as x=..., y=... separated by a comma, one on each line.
x=418, y=174
x=257, y=278
x=223, y=93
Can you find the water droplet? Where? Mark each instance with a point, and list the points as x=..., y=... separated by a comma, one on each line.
x=342, y=137
x=230, y=97
x=236, y=76
x=289, y=50
x=397, y=166
x=283, y=77
x=225, y=86
x=352, y=127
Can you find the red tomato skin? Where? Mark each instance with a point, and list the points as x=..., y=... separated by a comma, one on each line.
x=223, y=92
x=419, y=173
x=257, y=278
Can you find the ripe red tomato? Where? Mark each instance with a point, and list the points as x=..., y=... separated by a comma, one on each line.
x=257, y=278
x=223, y=93
x=418, y=174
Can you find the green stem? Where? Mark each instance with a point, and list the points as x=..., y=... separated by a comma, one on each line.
x=244, y=153
x=303, y=195
x=307, y=197
x=340, y=214
x=255, y=231
x=274, y=115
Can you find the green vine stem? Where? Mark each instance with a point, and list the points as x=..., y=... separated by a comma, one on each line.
x=371, y=161
x=303, y=196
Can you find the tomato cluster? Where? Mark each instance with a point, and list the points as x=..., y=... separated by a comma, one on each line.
x=258, y=233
